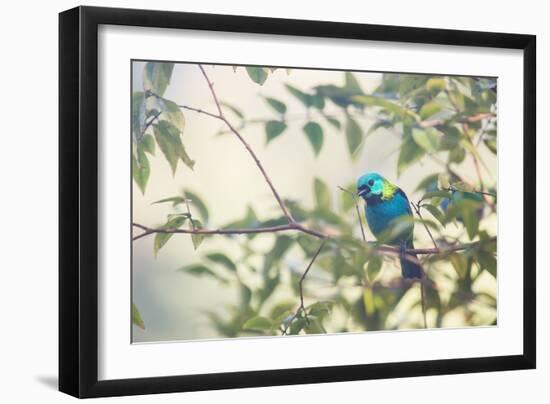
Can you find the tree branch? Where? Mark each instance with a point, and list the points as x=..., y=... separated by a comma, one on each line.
x=468, y=119
x=200, y=111
x=211, y=87
x=381, y=248
x=253, y=230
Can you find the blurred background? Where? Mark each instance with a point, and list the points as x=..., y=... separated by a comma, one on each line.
x=175, y=302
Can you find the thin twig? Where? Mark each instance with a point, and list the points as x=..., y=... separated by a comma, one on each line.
x=302, y=307
x=475, y=191
x=222, y=117
x=199, y=111
x=416, y=207
x=468, y=119
x=211, y=86
x=148, y=124
x=356, y=209
x=423, y=281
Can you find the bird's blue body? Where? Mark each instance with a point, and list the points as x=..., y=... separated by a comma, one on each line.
x=387, y=208
x=381, y=215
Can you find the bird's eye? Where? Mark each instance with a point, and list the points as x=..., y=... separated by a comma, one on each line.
x=371, y=183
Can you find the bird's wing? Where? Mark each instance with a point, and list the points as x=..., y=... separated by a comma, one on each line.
x=407, y=206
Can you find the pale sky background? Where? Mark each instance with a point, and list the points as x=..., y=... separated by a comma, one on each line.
x=227, y=179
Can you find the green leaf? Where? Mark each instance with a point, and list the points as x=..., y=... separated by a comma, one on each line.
x=373, y=267
x=457, y=99
x=457, y=155
x=435, y=212
x=136, y=317
x=468, y=210
x=258, y=323
x=140, y=168
x=333, y=121
x=297, y=325
x=156, y=76
x=354, y=135
x=148, y=144
x=338, y=95
x=427, y=182
x=282, y=244
x=347, y=201
x=281, y=311
x=274, y=129
x=173, y=114
x=487, y=261
x=222, y=259
x=246, y=295
x=276, y=105
x=233, y=109
x=257, y=74
x=196, y=238
x=200, y=271
x=188, y=161
x=491, y=144
x=390, y=106
x=320, y=309
x=430, y=109
x=451, y=138
x=176, y=200
x=381, y=123
x=249, y=220
x=322, y=194
x=197, y=203
x=174, y=222
x=428, y=139
x=436, y=84
x=300, y=95
x=314, y=326
x=318, y=101
x=460, y=264
x=409, y=153
x=351, y=84
x=138, y=114
x=308, y=244
x=169, y=140
x=314, y=133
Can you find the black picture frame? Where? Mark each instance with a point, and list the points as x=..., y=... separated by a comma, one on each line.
x=78, y=201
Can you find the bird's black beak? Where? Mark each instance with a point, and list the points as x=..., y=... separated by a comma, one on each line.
x=362, y=191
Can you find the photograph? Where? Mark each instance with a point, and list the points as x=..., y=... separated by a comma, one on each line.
x=280, y=201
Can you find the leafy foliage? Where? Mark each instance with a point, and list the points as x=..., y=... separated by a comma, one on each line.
x=164, y=118
x=136, y=317
x=447, y=119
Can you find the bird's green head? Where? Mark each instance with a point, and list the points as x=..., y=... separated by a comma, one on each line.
x=373, y=185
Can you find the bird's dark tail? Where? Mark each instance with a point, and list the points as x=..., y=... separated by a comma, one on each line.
x=410, y=269
x=410, y=266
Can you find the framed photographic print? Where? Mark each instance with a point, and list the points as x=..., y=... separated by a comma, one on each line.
x=251, y=201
